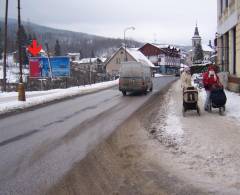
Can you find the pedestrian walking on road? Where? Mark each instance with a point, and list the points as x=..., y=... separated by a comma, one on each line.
x=186, y=78
x=210, y=81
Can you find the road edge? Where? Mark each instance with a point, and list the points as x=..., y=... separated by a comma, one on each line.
x=34, y=107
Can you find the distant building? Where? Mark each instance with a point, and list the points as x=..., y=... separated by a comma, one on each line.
x=167, y=58
x=89, y=70
x=74, y=56
x=208, y=50
x=228, y=41
x=113, y=64
x=94, y=64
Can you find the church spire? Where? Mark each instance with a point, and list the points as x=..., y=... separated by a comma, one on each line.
x=196, y=33
x=196, y=39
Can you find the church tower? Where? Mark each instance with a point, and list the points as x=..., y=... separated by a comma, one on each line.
x=196, y=39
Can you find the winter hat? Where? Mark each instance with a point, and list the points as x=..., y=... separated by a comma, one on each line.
x=186, y=69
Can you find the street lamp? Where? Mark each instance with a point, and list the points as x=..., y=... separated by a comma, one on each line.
x=124, y=36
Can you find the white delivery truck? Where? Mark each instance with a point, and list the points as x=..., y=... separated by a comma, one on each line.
x=135, y=77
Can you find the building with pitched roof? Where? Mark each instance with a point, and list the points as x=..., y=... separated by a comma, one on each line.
x=167, y=58
x=113, y=64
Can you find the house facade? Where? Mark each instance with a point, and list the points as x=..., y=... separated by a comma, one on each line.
x=113, y=64
x=228, y=41
x=165, y=57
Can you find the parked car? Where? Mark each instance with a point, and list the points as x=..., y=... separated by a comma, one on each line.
x=135, y=77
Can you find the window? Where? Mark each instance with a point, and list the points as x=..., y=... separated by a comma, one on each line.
x=221, y=7
x=226, y=3
x=226, y=51
x=234, y=50
x=118, y=61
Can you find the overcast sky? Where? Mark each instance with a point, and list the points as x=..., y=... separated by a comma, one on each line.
x=166, y=21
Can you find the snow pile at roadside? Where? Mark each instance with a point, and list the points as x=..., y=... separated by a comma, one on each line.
x=51, y=95
x=173, y=124
x=158, y=75
x=167, y=127
x=233, y=105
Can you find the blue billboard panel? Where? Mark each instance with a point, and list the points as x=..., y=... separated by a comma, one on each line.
x=53, y=66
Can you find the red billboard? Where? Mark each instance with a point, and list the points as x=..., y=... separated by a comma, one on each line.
x=35, y=67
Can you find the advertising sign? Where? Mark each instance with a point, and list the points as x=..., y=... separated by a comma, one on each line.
x=43, y=67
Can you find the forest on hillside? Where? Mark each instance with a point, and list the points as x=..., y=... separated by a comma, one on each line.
x=88, y=45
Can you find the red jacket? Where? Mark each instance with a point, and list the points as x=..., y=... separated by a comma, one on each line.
x=211, y=81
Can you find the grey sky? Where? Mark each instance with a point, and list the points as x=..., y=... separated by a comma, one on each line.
x=167, y=21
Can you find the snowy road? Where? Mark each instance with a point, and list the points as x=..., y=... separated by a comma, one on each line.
x=158, y=151
x=39, y=146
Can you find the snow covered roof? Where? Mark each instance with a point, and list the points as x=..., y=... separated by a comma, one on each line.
x=184, y=66
x=207, y=48
x=139, y=57
x=163, y=46
x=73, y=54
x=89, y=60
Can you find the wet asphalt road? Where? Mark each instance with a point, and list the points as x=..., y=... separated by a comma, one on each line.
x=38, y=147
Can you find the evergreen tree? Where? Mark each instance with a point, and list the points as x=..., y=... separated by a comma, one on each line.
x=92, y=54
x=1, y=43
x=22, y=38
x=57, y=48
x=30, y=38
x=198, y=54
x=81, y=53
x=34, y=36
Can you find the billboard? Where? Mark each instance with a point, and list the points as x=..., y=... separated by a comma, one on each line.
x=43, y=67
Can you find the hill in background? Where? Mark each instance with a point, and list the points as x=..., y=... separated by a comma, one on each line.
x=88, y=45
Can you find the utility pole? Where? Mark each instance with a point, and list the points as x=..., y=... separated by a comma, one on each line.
x=49, y=61
x=90, y=71
x=5, y=48
x=21, y=89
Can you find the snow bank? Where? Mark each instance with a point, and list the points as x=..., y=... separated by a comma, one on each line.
x=158, y=75
x=48, y=96
x=233, y=105
x=173, y=124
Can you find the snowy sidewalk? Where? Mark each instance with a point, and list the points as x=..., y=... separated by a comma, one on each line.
x=205, y=150
x=9, y=103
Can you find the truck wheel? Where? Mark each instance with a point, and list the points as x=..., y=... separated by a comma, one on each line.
x=124, y=93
